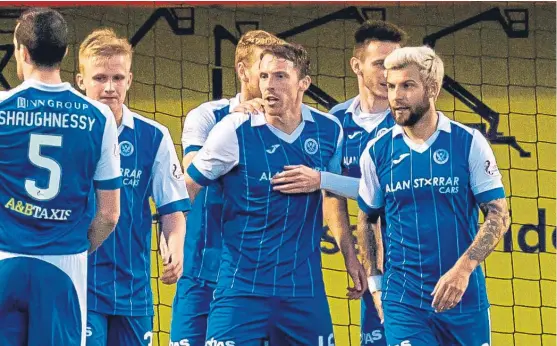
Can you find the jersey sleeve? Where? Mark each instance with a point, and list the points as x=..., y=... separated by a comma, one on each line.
x=219, y=154
x=370, y=195
x=199, y=122
x=107, y=174
x=336, y=160
x=485, y=178
x=340, y=185
x=169, y=187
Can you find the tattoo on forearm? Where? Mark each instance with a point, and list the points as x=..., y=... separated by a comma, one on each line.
x=370, y=244
x=491, y=231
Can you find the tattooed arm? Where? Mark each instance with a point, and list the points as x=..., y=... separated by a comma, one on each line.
x=371, y=201
x=492, y=230
x=487, y=187
x=451, y=287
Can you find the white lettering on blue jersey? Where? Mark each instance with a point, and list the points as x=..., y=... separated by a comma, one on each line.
x=120, y=270
x=202, y=247
x=270, y=240
x=56, y=146
x=430, y=193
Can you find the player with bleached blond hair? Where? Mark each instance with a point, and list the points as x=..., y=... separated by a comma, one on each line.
x=429, y=174
x=119, y=296
x=363, y=118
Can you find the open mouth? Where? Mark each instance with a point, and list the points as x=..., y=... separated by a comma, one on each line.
x=271, y=99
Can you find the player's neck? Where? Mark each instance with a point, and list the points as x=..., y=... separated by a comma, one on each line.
x=245, y=94
x=369, y=103
x=424, y=128
x=118, y=115
x=47, y=76
x=288, y=121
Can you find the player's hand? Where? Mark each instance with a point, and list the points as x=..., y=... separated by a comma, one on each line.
x=297, y=179
x=450, y=288
x=173, y=262
x=358, y=275
x=378, y=305
x=251, y=106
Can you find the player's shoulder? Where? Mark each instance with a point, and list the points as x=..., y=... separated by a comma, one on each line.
x=237, y=119
x=4, y=95
x=147, y=123
x=322, y=116
x=341, y=108
x=380, y=141
x=212, y=108
x=463, y=133
x=8, y=94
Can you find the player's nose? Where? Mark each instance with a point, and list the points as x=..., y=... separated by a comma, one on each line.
x=398, y=92
x=108, y=87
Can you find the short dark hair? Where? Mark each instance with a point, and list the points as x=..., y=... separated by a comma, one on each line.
x=45, y=34
x=377, y=30
x=292, y=52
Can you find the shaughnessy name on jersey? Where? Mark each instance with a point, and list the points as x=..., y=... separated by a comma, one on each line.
x=29, y=115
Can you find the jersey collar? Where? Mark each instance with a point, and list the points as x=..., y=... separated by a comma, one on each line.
x=234, y=102
x=258, y=119
x=443, y=124
x=47, y=87
x=127, y=119
x=367, y=121
x=354, y=105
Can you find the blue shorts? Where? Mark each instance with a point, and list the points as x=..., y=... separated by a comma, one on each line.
x=407, y=325
x=190, y=311
x=247, y=320
x=372, y=332
x=109, y=330
x=43, y=299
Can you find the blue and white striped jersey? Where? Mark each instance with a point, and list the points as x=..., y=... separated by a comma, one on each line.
x=430, y=193
x=120, y=270
x=202, y=248
x=55, y=146
x=270, y=240
x=359, y=128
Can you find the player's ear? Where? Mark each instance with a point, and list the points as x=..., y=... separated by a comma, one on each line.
x=432, y=90
x=355, y=64
x=305, y=83
x=242, y=72
x=79, y=81
x=129, y=84
x=24, y=51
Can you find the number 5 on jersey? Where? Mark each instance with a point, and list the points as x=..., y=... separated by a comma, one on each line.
x=36, y=141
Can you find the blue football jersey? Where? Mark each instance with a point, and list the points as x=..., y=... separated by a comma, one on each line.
x=120, y=270
x=359, y=128
x=202, y=248
x=55, y=146
x=270, y=240
x=430, y=193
